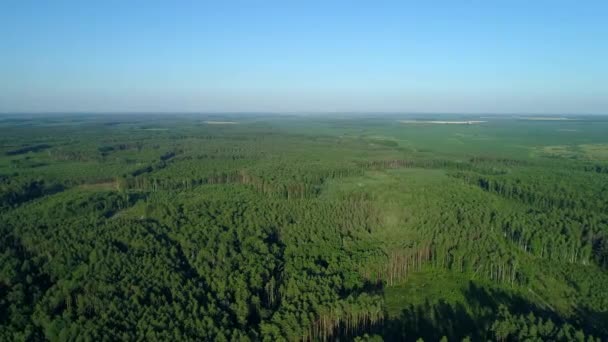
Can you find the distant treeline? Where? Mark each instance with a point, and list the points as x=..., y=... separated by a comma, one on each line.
x=26, y=149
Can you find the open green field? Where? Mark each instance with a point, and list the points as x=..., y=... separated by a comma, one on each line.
x=266, y=227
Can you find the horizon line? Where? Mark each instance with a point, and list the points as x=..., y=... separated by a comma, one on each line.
x=288, y=113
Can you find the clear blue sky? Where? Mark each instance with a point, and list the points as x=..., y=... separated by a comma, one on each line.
x=425, y=56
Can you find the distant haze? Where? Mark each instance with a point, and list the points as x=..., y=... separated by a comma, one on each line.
x=222, y=56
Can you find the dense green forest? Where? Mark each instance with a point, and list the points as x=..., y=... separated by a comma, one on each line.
x=269, y=228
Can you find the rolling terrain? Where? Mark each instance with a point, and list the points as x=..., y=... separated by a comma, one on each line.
x=265, y=227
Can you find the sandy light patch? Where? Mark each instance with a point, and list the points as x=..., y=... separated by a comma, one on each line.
x=546, y=118
x=221, y=122
x=470, y=122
